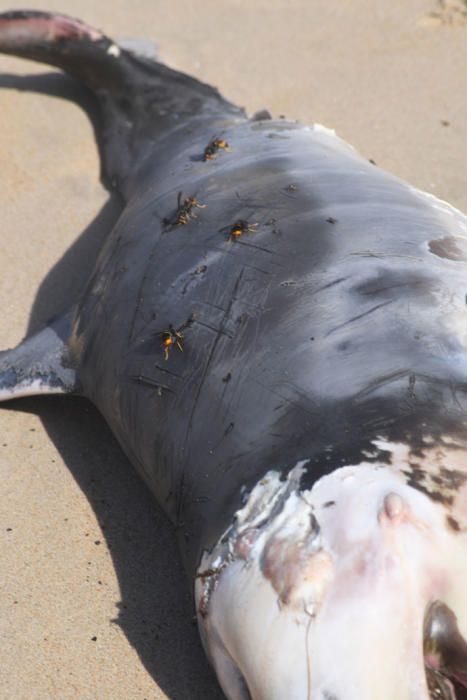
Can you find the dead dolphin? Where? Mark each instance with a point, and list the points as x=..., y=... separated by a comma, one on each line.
x=275, y=330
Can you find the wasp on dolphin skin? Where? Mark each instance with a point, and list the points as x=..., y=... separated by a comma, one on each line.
x=171, y=338
x=318, y=490
x=212, y=148
x=239, y=228
x=184, y=213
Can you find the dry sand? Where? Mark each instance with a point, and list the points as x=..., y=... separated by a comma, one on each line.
x=93, y=603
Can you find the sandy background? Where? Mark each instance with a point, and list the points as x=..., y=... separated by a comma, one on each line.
x=93, y=602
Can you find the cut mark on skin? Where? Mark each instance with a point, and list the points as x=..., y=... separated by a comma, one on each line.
x=371, y=254
x=168, y=371
x=211, y=354
x=152, y=383
x=257, y=247
x=218, y=331
x=286, y=400
x=357, y=318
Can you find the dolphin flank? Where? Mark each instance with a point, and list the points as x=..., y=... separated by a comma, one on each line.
x=275, y=330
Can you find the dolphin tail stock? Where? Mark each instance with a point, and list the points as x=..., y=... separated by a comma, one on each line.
x=40, y=364
x=139, y=98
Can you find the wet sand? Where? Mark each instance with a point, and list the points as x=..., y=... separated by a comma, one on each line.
x=93, y=601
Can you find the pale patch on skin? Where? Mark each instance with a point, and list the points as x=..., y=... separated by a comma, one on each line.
x=323, y=592
x=114, y=50
x=30, y=388
x=52, y=28
x=453, y=321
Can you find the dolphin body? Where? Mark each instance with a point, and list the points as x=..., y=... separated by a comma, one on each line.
x=275, y=330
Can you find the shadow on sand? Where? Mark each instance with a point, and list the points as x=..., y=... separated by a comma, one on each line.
x=156, y=610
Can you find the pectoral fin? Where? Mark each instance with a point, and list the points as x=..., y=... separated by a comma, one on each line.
x=40, y=364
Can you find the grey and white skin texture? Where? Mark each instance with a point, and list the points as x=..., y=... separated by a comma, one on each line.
x=275, y=331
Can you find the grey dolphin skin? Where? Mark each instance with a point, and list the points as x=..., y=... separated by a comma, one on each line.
x=275, y=331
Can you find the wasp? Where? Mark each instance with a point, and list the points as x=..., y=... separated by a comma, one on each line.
x=171, y=338
x=184, y=211
x=212, y=148
x=239, y=227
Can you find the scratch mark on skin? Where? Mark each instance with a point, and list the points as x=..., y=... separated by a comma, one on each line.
x=137, y=336
x=330, y=284
x=209, y=303
x=257, y=247
x=212, y=351
x=219, y=331
x=140, y=295
x=228, y=250
x=369, y=254
x=455, y=398
x=226, y=432
x=357, y=318
x=252, y=267
x=394, y=376
x=462, y=386
x=286, y=400
x=148, y=381
x=257, y=306
x=227, y=465
x=168, y=371
x=252, y=205
x=214, y=345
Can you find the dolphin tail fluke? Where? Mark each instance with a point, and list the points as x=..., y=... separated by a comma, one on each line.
x=138, y=97
x=40, y=364
x=67, y=43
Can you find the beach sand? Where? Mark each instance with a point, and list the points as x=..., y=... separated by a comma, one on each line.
x=93, y=601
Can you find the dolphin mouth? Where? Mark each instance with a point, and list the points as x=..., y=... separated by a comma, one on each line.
x=445, y=653
x=439, y=687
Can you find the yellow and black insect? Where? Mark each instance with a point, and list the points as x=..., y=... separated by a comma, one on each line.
x=185, y=212
x=171, y=338
x=212, y=148
x=239, y=227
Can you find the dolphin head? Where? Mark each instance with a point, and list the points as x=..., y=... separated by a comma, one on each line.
x=354, y=589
